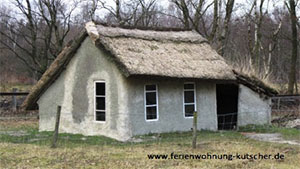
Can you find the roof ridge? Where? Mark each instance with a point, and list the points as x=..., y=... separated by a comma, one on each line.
x=95, y=31
x=153, y=28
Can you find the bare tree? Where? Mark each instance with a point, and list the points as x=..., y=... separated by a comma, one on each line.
x=292, y=73
x=118, y=11
x=137, y=13
x=116, y=14
x=259, y=14
x=36, y=30
x=229, y=9
x=88, y=10
x=181, y=4
x=38, y=33
x=272, y=45
x=255, y=50
x=215, y=20
x=146, y=14
x=193, y=15
x=195, y=12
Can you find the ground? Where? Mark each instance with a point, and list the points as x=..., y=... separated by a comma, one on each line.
x=22, y=146
x=270, y=137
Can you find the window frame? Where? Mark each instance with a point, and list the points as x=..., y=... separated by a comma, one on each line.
x=95, y=106
x=195, y=99
x=145, y=102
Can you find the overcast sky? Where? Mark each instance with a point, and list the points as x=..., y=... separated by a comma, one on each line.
x=241, y=6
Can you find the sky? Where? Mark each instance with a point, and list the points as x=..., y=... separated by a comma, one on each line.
x=241, y=6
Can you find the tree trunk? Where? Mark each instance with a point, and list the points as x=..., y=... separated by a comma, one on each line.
x=118, y=13
x=256, y=41
x=186, y=14
x=292, y=73
x=215, y=21
x=229, y=8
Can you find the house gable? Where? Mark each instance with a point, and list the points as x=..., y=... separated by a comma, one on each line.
x=53, y=72
x=74, y=90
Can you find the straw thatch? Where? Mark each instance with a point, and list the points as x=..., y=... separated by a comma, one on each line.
x=53, y=72
x=180, y=54
x=255, y=84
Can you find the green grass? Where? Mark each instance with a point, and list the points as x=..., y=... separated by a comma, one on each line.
x=65, y=140
x=29, y=134
x=78, y=151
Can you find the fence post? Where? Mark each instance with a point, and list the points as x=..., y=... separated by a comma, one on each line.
x=14, y=100
x=278, y=104
x=55, y=135
x=194, y=130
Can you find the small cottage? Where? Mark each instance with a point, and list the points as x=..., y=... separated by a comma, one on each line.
x=121, y=82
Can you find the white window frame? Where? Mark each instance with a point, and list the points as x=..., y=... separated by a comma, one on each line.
x=145, y=105
x=195, y=101
x=95, y=109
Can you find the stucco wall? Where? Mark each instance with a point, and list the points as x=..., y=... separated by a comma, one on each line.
x=252, y=109
x=48, y=104
x=170, y=99
x=74, y=91
x=125, y=114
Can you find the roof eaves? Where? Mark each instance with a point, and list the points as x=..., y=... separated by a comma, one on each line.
x=255, y=84
x=53, y=72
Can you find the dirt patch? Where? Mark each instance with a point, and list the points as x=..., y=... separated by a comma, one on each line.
x=270, y=137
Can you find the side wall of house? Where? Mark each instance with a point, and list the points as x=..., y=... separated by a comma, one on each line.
x=252, y=109
x=74, y=91
x=170, y=105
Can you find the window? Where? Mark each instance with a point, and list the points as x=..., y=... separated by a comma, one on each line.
x=99, y=101
x=151, y=105
x=189, y=99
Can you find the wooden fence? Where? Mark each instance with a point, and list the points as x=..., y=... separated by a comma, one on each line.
x=286, y=103
x=14, y=94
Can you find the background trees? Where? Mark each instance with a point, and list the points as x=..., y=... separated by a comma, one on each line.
x=257, y=36
x=36, y=31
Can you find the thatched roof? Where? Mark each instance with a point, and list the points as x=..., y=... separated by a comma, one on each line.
x=174, y=54
x=179, y=54
x=255, y=84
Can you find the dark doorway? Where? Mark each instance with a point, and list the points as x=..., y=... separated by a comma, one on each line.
x=227, y=106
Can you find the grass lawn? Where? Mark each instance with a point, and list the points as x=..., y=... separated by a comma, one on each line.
x=22, y=146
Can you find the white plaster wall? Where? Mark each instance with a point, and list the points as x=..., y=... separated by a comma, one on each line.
x=207, y=106
x=74, y=91
x=170, y=99
x=252, y=109
x=48, y=106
